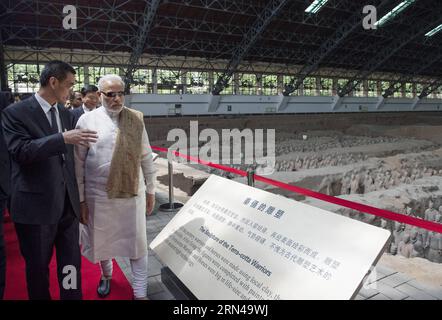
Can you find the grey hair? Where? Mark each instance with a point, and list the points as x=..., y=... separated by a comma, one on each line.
x=108, y=78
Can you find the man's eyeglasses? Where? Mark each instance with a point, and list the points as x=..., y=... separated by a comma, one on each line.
x=113, y=94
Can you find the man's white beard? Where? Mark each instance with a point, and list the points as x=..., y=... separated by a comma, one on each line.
x=112, y=112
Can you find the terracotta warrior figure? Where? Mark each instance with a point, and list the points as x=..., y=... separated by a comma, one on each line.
x=434, y=247
x=405, y=246
x=430, y=213
x=418, y=246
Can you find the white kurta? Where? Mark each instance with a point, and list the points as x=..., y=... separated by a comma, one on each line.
x=116, y=227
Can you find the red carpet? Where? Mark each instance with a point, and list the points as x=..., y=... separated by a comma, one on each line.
x=16, y=279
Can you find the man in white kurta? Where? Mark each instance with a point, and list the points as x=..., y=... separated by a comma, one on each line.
x=113, y=226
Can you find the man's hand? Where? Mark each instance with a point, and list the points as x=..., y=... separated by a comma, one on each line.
x=80, y=137
x=150, y=203
x=84, y=213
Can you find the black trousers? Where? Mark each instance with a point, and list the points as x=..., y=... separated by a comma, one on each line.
x=36, y=245
x=2, y=251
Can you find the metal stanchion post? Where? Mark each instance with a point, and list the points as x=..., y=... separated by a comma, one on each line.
x=172, y=206
x=250, y=177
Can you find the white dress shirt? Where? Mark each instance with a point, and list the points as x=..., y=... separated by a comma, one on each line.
x=47, y=110
x=85, y=109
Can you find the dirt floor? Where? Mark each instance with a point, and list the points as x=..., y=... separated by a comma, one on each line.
x=422, y=270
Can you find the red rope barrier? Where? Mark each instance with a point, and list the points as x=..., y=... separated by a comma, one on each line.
x=428, y=225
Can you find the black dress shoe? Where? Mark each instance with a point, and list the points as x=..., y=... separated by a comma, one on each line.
x=104, y=287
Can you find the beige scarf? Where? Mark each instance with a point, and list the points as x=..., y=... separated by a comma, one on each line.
x=124, y=172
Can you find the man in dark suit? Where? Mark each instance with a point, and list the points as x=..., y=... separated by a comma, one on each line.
x=5, y=100
x=45, y=204
x=76, y=100
x=90, y=98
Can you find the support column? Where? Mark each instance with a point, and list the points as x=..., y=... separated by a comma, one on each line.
x=403, y=90
x=155, y=81
x=379, y=88
x=184, y=82
x=3, y=70
x=301, y=89
x=236, y=83
x=334, y=86
x=318, y=86
x=259, y=84
x=414, y=89
x=351, y=93
x=365, y=88
x=211, y=80
x=280, y=83
x=86, y=75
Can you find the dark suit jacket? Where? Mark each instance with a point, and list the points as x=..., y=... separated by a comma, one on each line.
x=38, y=177
x=4, y=158
x=77, y=112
